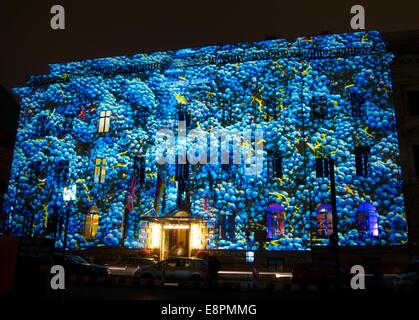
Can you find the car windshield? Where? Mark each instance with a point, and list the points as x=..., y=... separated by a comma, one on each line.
x=204, y=263
x=76, y=259
x=142, y=262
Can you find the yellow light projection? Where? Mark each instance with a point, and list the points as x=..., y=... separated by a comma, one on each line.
x=154, y=238
x=197, y=236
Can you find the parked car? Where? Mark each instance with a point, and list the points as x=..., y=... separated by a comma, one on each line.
x=129, y=266
x=176, y=270
x=75, y=265
x=408, y=280
x=317, y=273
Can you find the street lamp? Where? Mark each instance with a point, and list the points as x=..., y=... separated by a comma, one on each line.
x=69, y=195
x=334, y=237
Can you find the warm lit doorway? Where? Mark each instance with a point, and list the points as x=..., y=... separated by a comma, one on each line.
x=175, y=241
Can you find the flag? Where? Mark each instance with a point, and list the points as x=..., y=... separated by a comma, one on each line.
x=132, y=193
x=159, y=192
x=82, y=114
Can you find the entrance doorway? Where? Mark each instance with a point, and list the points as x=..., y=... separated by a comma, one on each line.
x=176, y=241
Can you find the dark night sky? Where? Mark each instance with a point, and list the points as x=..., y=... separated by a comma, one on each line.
x=107, y=28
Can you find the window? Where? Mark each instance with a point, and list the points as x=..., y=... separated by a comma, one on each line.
x=141, y=118
x=319, y=107
x=187, y=263
x=36, y=169
x=324, y=219
x=275, y=264
x=226, y=226
x=182, y=178
x=62, y=170
x=70, y=193
x=322, y=167
x=227, y=167
x=250, y=256
x=182, y=171
x=357, y=102
x=275, y=220
x=367, y=220
x=104, y=120
x=361, y=161
x=184, y=116
x=139, y=170
x=274, y=164
x=171, y=263
x=100, y=171
x=67, y=126
x=91, y=225
x=413, y=103
x=51, y=223
x=41, y=126
x=275, y=224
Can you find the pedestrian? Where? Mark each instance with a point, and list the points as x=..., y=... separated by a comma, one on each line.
x=214, y=265
x=180, y=250
x=255, y=276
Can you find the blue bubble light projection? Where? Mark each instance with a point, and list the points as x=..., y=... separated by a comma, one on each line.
x=86, y=147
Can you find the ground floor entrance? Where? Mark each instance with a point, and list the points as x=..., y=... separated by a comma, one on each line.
x=176, y=240
x=177, y=236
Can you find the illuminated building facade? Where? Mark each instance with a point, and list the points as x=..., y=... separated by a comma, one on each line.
x=85, y=158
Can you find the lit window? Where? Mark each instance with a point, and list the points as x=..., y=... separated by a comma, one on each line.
x=274, y=164
x=324, y=219
x=250, y=256
x=322, y=167
x=275, y=220
x=100, y=171
x=367, y=220
x=104, y=120
x=226, y=226
x=70, y=193
x=91, y=225
x=361, y=161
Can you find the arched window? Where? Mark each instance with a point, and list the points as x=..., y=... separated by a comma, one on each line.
x=367, y=219
x=91, y=223
x=275, y=220
x=324, y=219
